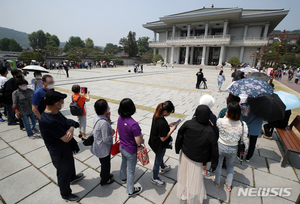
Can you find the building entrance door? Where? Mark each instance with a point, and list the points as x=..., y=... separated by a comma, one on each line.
x=214, y=54
x=197, y=55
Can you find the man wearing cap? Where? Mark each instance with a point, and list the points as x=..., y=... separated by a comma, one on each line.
x=38, y=104
x=199, y=78
x=57, y=132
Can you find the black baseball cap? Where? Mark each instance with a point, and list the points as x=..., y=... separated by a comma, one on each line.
x=52, y=97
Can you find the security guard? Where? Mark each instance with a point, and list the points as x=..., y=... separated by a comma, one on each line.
x=57, y=132
x=199, y=78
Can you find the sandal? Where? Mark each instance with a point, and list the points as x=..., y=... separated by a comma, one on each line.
x=228, y=187
x=217, y=185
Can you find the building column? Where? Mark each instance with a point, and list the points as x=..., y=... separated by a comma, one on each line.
x=154, y=36
x=266, y=30
x=242, y=54
x=207, y=55
x=206, y=29
x=189, y=30
x=192, y=55
x=221, y=55
x=166, y=55
x=187, y=50
x=154, y=52
x=225, y=28
x=203, y=55
x=173, y=31
x=245, y=30
x=172, y=55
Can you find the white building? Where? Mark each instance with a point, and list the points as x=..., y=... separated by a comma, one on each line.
x=211, y=36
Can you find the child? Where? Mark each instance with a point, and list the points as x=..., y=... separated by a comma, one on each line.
x=81, y=102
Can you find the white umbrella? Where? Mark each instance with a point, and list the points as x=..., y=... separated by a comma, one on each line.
x=246, y=69
x=35, y=68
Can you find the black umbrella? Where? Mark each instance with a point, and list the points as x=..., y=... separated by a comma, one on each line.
x=259, y=75
x=237, y=75
x=270, y=107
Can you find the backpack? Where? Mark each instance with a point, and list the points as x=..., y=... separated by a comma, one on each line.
x=75, y=109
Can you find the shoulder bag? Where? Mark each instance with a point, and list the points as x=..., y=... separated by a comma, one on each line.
x=115, y=148
x=241, y=145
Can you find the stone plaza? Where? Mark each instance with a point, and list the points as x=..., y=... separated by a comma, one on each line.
x=28, y=176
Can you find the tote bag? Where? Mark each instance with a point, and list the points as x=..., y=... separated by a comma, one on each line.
x=142, y=154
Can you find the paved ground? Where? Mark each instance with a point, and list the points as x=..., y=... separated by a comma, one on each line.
x=290, y=84
x=28, y=176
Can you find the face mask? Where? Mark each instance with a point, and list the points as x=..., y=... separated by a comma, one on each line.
x=62, y=105
x=50, y=86
x=108, y=110
x=23, y=87
x=38, y=77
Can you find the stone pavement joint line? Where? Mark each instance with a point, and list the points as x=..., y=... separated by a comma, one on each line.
x=178, y=115
x=169, y=87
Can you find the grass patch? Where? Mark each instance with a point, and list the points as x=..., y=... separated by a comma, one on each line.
x=177, y=115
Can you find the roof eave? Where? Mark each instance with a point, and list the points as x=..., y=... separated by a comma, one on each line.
x=220, y=12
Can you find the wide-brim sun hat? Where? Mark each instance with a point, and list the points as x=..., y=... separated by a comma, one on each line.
x=207, y=100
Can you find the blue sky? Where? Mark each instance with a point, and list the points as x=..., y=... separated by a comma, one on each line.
x=108, y=21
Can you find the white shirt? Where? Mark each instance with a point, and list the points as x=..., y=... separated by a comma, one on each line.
x=231, y=132
x=3, y=80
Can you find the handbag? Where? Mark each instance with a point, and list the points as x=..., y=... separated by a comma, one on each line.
x=142, y=154
x=90, y=140
x=115, y=148
x=241, y=145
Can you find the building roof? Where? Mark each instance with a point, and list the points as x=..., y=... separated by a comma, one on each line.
x=232, y=15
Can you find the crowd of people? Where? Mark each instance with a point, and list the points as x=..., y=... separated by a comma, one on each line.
x=201, y=139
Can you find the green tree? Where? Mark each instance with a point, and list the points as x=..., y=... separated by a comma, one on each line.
x=157, y=58
x=74, y=42
x=38, y=38
x=7, y=44
x=73, y=57
x=53, y=41
x=37, y=56
x=111, y=49
x=4, y=44
x=234, y=61
x=143, y=44
x=129, y=44
x=14, y=46
x=148, y=56
x=100, y=57
x=26, y=56
x=51, y=50
x=89, y=43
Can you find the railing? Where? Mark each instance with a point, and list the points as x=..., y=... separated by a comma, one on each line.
x=249, y=41
x=210, y=40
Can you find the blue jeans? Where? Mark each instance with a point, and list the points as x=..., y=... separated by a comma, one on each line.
x=220, y=84
x=159, y=162
x=27, y=125
x=128, y=163
x=230, y=153
x=10, y=113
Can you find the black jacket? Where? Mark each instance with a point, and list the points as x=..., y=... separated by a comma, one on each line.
x=197, y=139
x=199, y=76
x=8, y=88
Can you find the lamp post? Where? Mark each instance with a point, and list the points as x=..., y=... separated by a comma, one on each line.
x=38, y=50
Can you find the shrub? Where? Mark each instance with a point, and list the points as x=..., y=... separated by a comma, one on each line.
x=157, y=58
x=118, y=61
x=73, y=57
x=234, y=61
x=102, y=58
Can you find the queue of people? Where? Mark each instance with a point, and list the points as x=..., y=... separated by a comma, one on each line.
x=202, y=139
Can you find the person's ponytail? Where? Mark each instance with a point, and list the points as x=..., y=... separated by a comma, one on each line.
x=158, y=112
